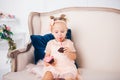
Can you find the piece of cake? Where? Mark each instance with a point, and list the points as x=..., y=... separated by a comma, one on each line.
x=61, y=50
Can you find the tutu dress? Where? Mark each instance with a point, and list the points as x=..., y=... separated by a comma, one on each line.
x=64, y=66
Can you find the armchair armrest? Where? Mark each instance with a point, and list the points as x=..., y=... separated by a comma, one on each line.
x=21, y=57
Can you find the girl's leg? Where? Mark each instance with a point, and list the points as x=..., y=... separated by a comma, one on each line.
x=69, y=79
x=48, y=76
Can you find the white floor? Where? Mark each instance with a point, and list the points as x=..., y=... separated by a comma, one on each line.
x=4, y=66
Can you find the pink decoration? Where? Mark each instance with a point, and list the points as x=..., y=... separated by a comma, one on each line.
x=48, y=58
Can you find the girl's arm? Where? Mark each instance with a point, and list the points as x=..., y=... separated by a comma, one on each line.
x=46, y=55
x=69, y=53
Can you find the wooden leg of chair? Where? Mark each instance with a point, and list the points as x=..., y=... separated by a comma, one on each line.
x=48, y=76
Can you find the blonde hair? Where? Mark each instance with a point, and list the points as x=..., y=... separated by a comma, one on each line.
x=62, y=17
x=55, y=20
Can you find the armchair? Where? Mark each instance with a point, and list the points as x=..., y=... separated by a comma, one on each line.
x=92, y=31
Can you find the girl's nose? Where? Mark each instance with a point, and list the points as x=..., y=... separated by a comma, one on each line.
x=60, y=34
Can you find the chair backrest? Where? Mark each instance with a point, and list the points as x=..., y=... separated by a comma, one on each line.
x=95, y=32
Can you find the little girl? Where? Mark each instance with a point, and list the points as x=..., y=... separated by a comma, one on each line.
x=60, y=53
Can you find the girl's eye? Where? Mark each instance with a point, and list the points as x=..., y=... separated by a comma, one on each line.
x=62, y=31
x=56, y=32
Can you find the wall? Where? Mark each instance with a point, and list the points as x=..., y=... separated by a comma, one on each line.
x=22, y=8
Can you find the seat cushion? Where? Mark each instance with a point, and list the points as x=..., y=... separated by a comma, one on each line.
x=84, y=74
x=23, y=75
x=39, y=42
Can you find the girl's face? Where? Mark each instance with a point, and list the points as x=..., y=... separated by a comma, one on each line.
x=59, y=31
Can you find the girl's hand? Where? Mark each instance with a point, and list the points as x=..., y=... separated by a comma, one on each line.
x=49, y=60
x=69, y=53
x=67, y=50
x=48, y=64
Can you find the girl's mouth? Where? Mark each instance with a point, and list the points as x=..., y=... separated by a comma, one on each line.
x=60, y=39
